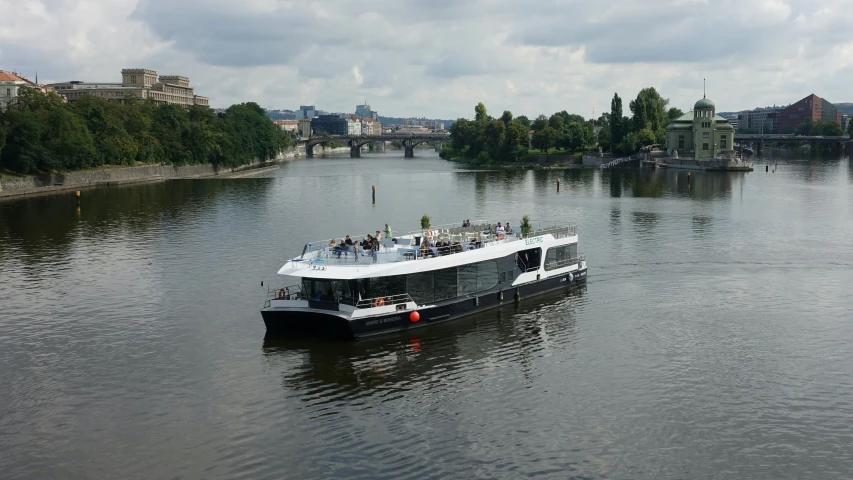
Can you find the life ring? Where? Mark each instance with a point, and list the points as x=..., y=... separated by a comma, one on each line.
x=429, y=233
x=379, y=302
x=280, y=294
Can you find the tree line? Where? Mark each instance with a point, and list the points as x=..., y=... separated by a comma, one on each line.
x=42, y=133
x=505, y=139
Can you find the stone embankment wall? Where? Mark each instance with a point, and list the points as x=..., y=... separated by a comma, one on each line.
x=57, y=182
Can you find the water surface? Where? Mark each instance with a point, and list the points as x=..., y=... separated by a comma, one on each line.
x=712, y=339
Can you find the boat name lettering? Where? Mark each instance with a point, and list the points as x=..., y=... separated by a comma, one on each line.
x=534, y=240
x=378, y=321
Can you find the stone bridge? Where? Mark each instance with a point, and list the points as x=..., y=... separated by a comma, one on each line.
x=355, y=142
x=761, y=138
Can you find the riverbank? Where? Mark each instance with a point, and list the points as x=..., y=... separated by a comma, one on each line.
x=530, y=162
x=53, y=183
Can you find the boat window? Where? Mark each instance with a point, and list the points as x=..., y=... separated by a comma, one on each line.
x=561, y=256
x=321, y=290
x=466, y=280
x=381, y=287
x=529, y=260
x=487, y=275
x=445, y=284
x=421, y=287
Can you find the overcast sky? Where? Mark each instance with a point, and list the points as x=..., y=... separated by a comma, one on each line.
x=438, y=58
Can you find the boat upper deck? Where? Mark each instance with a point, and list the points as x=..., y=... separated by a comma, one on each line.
x=422, y=245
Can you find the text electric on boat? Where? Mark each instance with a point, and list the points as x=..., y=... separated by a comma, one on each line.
x=408, y=282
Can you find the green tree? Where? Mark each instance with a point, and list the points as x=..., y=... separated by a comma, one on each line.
x=480, y=113
x=806, y=127
x=544, y=139
x=2, y=140
x=524, y=121
x=604, y=139
x=617, y=127
x=515, y=141
x=576, y=136
x=540, y=122
x=494, y=138
x=850, y=129
x=556, y=122
x=506, y=117
x=674, y=113
x=650, y=111
x=829, y=129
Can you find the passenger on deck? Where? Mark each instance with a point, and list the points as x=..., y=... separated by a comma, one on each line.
x=341, y=248
x=478, y=243
x=488, y=230
x=378, y=236
x=332, y=244
x=374, y=247
x=426, y=249
x=499, y=231
x=466, y=223
x=388, y=231
x=507, y=229
x=457, y=247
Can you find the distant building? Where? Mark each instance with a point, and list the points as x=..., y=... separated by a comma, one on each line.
x=10, y=82
x=353, y=125
x=433, y=125
x=306, y=111
x=370, y=126
x=812, y=107
x=329, y=124
x=760, y=120
x=137, y=82
x=700, y=132
x=845, y=122
x=287, y=125
x=364, y=111
x=304, y=128
x=734, y=121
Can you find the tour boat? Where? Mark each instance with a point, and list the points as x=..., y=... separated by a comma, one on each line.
x=409, y=282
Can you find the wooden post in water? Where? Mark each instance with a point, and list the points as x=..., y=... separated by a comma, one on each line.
x=374, y=194
x=558, y=185
x=78, y=198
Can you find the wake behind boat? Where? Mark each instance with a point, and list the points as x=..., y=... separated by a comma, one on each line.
x=419, y=279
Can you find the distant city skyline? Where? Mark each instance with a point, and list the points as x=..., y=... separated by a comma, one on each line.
x=530, y=60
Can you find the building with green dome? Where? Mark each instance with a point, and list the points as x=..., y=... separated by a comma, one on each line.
x=700, y=134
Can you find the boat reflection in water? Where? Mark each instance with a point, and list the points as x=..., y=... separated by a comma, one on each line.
x=514, y=333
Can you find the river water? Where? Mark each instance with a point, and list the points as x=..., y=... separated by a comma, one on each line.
x=713, y=339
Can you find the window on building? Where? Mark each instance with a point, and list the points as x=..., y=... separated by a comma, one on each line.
x=706, y=134
x=681, y=142
x=704, y=146
x=133, y=79
x=723, y=143
x=8, y=92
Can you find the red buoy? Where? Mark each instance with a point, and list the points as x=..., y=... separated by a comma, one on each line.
x=414, y=317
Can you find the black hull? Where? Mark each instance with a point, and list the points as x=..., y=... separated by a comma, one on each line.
x=329, y=325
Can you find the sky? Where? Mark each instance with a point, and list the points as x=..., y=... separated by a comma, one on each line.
x=438, y=58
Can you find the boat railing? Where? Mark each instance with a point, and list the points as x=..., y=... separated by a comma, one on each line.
x=386, y=300
x=565, y=262
x=290, y=292
x=480, y=234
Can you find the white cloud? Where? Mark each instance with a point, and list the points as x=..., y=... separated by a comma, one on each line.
x=356, y=76
x=440, y=58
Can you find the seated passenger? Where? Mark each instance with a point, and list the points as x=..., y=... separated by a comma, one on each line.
x=332, y=244
x=508, y=229
x=488, y=230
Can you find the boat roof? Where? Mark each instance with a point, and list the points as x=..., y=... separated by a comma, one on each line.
x=318, y=260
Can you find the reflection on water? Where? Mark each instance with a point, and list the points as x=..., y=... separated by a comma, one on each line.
x=513, y=331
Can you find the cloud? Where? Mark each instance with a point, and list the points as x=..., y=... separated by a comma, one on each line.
x=440, y=58
x=356, y=76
